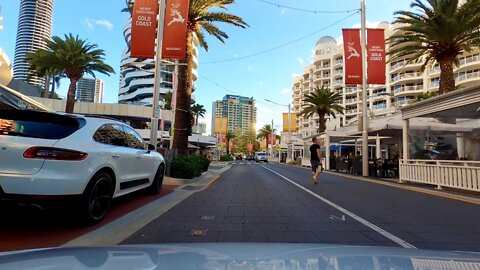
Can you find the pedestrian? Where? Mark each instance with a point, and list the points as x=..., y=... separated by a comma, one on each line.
x=315, y=157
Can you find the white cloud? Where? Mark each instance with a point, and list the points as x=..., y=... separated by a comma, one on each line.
x=301, y=61
x=250, y=68
x=286, y=91
x=369, y=25
x=100, y=22
x=283, y=11
x=235, y=55
x=295, y=75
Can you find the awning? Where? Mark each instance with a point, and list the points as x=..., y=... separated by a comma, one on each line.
x=17, y=100
x=191, y=146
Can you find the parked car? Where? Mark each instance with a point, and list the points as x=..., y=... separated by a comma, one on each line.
x=261, y=156
x=250, y=157
x=238, y=157
x=85, y=159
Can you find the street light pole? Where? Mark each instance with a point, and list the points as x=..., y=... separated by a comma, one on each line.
x=364, y=92
x=289, y=120
x=158, y=75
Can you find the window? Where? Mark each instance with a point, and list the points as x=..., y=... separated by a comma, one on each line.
x=111, y=134
x=133, y=138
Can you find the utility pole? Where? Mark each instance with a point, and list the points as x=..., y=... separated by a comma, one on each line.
x=271, y=148
x=158, y=75
x=363, y=42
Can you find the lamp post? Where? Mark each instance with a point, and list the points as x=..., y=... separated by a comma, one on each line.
x=289, y=119
x=158, y=74
x=363, y=42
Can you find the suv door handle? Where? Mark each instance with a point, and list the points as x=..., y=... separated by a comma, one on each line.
x=115, y=155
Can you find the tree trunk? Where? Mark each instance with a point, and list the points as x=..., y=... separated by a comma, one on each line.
x=71, y=95
x=321, y=125
x=54, y=83
x=196, y=119
x=47, y=86
x=228, y=147
x=184, y=94
x=447, y=79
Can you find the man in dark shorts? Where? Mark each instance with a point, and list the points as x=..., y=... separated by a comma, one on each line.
x=315, y=157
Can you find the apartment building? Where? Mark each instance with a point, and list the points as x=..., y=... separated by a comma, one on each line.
x=239, y=111
x=90, y=90
x=404, y=82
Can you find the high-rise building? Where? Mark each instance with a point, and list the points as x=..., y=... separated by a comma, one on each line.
x=240, y=112
x=137, y=75
x=404, y=82
x=34, y=27
x=90, y=90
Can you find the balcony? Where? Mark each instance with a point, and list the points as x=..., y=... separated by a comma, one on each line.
x=354, y=111
x=403, y=63
x=469, y=62
x=380, y=106
x=466, y=77
x=351, y=101
x=338, y=62
x=407, y=77
x=337, y=82
x=403, y=89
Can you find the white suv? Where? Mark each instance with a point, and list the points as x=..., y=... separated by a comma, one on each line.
x=261, y=156
x=92, y=160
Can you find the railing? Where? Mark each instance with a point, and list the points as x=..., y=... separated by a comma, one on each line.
x=406, y=75
x=408, y=88
x=468, y=76
x=469, y=59
x=442, y=173
x=351, y=100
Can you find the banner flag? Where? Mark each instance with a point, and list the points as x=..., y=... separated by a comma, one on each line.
x=144, y=25
x=376, y=56
x=175, y=29
x=353, y=56
x=293, y=122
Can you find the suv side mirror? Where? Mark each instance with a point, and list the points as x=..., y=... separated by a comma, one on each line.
x=151, y=147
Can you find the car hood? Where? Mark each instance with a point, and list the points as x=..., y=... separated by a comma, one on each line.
x=238, y=256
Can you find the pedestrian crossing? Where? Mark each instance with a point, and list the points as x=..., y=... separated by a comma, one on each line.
x=244, y=163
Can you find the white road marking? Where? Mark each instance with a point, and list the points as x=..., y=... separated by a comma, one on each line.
x=241, y=163
x=249, y=163
x=372, y=226
x=234, y=163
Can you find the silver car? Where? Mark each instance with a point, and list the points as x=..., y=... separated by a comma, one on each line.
x=261, y=156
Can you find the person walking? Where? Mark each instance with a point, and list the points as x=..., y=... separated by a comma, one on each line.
x=315, y=157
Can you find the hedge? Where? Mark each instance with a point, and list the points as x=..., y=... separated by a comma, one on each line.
x=188, y=167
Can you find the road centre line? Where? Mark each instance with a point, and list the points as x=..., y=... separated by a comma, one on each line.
x=372, y=226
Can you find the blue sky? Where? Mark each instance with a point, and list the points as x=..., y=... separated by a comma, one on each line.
x=266, y=76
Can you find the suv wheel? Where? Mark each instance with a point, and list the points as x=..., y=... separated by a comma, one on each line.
x=156, y=185
x=97, y=198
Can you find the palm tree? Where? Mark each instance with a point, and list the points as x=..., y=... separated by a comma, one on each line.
x=441, y=30
x=264, y=133
x=322, y=102
x=167, y=99
x=128, y=7
x=201, y=18
x=198, y=110
x=73, y=57
x=229, y=136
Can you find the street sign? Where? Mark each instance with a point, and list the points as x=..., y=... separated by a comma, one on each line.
x=278, y=148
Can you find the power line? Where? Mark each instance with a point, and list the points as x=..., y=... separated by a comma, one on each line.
x=308, y=10
x=226, y=89
x=279, y=46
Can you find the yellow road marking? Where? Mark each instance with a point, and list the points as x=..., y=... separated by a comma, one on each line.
x=213, y=180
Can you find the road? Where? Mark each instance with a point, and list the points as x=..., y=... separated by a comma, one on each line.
x=278, y=203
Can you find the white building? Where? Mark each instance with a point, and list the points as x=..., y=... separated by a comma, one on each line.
x=34, y=27
x=404, y=82
x=137, y=75
x=240, y=112
x=90, y=90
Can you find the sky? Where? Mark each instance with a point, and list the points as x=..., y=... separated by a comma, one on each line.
x=263, y=76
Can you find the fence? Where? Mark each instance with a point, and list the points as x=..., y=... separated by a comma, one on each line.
x=442, y=173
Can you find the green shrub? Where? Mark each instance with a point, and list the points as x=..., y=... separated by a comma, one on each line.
x=294, y=162
x=226, y=158
x=188, y=167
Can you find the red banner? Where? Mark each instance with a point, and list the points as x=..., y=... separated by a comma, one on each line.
x=376, y=56
x=250, y=147
x=175, y=29
x=221, y=138
x=144, y=17
x=272, y=138
x=353, y=56
x=230, y=144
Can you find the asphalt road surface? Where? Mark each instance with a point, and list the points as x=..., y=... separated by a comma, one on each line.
x=277, y=203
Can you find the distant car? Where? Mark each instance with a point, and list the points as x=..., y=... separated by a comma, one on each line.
x=239, y=157
x=261, y=156
x=85, y=159
x=250, y=157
